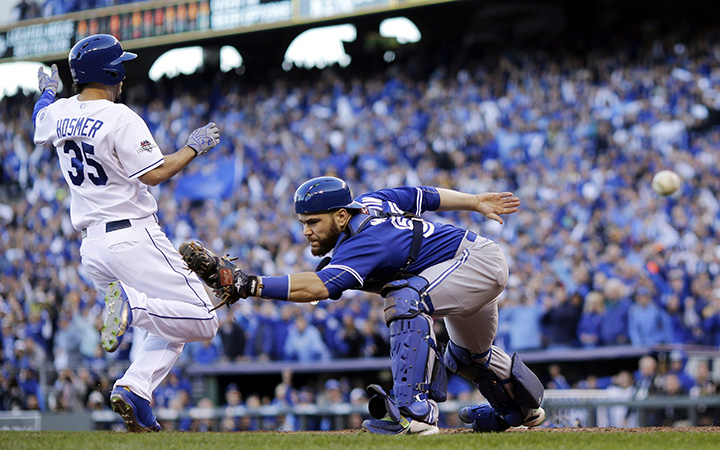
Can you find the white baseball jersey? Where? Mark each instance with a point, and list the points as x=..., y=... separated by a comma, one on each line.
x=103, y=148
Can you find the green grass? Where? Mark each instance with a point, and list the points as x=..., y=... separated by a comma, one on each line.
x=535, y=440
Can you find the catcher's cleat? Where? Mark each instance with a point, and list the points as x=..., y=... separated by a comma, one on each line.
x=135, y=411
x=535, y=417
x=485, y=419
x=405, y=426
x=118, y=317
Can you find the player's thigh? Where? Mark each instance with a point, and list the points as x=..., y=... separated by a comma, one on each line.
x=477, y=331
x=465, y=284
x=145, y=259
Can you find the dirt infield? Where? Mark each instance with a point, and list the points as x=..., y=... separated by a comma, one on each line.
x=567, y=430
x=596, y=430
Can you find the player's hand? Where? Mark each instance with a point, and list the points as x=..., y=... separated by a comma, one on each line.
x=204, y=138
x=51, y=82
x=491, y=205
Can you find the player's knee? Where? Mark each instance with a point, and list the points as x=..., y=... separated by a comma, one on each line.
x=406, y=298
x=209, y=328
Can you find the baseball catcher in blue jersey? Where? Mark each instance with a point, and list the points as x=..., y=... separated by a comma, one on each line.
x=378, y=242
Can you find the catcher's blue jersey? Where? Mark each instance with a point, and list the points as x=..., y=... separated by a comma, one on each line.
x=372, y=255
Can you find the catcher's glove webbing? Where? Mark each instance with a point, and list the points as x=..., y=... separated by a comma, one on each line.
x=227, y=281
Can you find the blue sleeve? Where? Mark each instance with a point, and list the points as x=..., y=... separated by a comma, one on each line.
x=411, y=199
x=352, y=262
x=46, y=99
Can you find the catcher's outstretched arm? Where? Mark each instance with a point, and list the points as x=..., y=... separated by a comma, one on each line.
x=305, y=287
x=231, y=284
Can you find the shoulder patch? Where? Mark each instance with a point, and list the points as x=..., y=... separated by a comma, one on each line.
x=146, y=146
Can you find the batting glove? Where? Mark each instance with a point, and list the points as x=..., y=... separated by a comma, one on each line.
x=51, y=81
x=204, y=138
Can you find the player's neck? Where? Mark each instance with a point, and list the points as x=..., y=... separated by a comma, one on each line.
x=98, y=92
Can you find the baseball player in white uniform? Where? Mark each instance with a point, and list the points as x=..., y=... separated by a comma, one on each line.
x=108, y=158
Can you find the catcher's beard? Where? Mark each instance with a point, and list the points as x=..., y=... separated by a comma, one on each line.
x=328, y=242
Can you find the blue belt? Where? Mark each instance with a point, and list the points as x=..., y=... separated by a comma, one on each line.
x=117, y=225
x=471, y=236
x=113, y=226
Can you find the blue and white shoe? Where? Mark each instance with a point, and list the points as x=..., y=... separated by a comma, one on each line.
x=118, y=317
x=405, y=426
x=485, y=419
x=135, y=411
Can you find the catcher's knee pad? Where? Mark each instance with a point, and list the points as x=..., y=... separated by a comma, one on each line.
x=417, y=381
x=527, y=390
x=406, y=298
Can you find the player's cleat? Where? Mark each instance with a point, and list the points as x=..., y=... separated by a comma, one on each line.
x=534, y=418
x=135, y=411
x=406, y=426
x=118, y=317
x=485, y=419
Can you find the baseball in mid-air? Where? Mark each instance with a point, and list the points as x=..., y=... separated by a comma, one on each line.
x=666, y=182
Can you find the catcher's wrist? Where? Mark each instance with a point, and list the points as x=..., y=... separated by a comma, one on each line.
x=277, y=288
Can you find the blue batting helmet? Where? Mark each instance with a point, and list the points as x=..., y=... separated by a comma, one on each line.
x=324, y=194
x=98, y=58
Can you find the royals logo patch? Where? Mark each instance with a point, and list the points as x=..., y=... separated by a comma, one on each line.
x=145, y=146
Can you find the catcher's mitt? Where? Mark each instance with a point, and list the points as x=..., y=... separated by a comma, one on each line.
x=218, y=272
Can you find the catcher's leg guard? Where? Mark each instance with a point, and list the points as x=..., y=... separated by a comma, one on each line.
x=511, y=410
x=417, y=383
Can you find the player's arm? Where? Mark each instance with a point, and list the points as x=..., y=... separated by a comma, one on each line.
x=307, y=287
x=173, y=164
x=48, y=85
x=201, y=141
x=490, y=204
x=301, y=287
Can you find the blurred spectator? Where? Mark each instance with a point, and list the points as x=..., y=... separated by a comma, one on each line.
x=591, y=320
x=705, y=385
x=648, y=323
x=711, y=319
x=556, y=380
x=69, y=393
x=259, y=345
x=520, y=319
x=205, y=352
x=647, y=382
x=330, y=397
x=560, y=318
x=351, y=340
x=621, y=388
x=304, y=343
x=202, y=416
x=232, y=336
x=614, y=329
x=676, y=366
x=678, y=331
x=171, y=387
x=672, y=416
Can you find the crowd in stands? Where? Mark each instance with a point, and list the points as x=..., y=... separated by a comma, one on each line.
x=596, y=257
x=33, y=9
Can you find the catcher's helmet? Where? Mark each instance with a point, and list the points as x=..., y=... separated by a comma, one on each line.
x=98, y=58
x=324, y=194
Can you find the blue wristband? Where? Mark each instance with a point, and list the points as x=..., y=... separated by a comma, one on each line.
x=277, y=288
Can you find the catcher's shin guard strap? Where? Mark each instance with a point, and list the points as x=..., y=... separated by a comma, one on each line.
x=277, y=288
